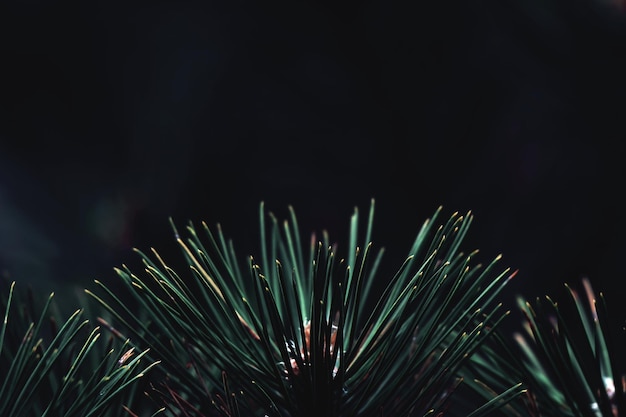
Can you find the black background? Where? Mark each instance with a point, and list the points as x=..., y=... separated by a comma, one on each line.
x=116, y=116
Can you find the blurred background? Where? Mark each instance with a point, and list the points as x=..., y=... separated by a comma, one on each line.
x=115, y=116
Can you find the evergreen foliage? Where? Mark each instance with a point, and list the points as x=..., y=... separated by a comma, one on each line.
x=61, y=368
x=310, y=327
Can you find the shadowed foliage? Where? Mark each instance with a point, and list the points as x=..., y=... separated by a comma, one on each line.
x=568, y=357
x=54, y=367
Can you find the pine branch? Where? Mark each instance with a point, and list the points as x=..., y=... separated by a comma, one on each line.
x=302, y=331
x=65, y=370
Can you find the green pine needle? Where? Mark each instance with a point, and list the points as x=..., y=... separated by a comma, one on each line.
x=568, y=360
x=302, y=331
x=62, y=371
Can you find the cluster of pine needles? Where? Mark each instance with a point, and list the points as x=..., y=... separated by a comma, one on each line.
x=310, y=327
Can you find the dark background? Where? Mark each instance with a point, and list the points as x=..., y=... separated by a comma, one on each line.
x=115, y=116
